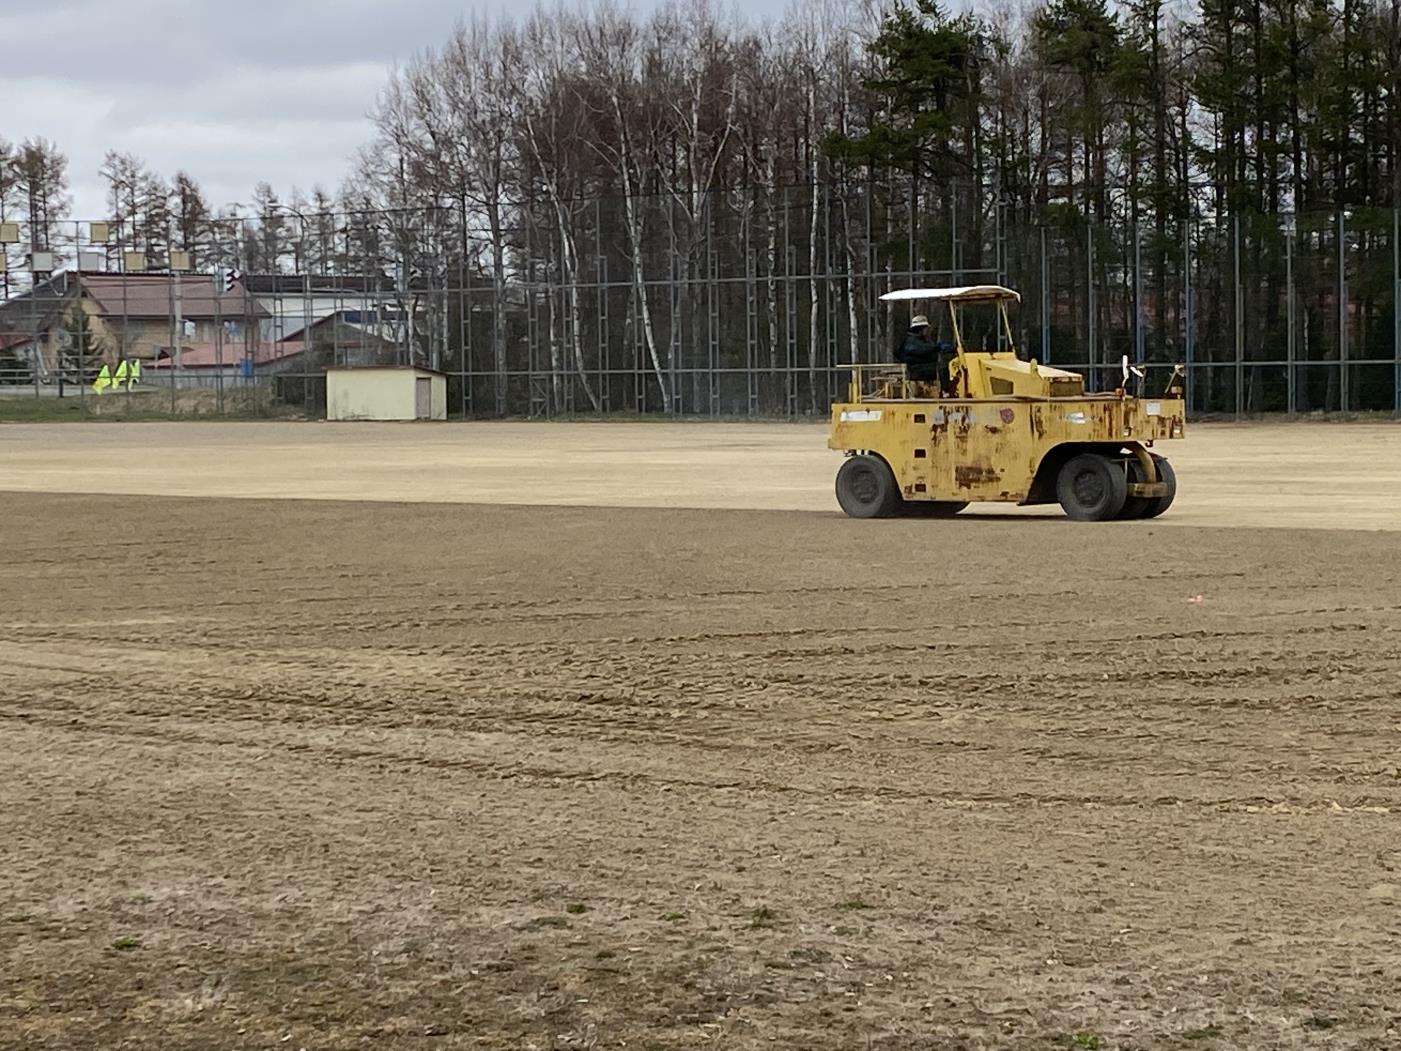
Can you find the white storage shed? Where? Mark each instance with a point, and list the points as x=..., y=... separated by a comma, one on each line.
x=386, y=394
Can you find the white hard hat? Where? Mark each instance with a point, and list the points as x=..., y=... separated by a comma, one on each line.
x=918, y=321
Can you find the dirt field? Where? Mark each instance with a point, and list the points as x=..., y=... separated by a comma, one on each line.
x=314, y=774
x=1319, y=475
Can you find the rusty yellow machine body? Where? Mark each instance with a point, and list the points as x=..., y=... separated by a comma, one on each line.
x=996, y=428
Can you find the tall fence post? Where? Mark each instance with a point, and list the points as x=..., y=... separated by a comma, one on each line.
x=1238, y=313
x=1045, y=301
x=1396, y=309
x=34, y=352
x=1137, y=296
x=1090, y=296
x=953, y=234
x=1289, y=343
x=80, y=322
x=1344, y=401
x=1188, y=333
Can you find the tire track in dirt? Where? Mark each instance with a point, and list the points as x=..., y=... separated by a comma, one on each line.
x=798, y=794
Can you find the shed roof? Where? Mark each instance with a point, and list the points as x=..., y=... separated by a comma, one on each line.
x=34, y=307
x=319, y=284
x=150, y=296
x=211, y=355
x=385, y=368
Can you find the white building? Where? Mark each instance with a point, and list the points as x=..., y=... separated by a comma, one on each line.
x=386, y=394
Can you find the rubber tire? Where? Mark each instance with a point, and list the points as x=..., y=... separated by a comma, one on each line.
x=933, y=508
x=1135, y=506
x=866, y=488
x=1092, y=470
x=1158, y=504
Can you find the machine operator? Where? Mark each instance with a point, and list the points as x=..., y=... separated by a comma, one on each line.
x=925, y=360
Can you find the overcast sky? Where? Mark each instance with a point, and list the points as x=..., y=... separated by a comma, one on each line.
x=232, y=91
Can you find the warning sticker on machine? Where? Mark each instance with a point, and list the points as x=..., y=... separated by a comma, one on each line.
x=1076, y=417
x=861, y=416
x=1155, y=408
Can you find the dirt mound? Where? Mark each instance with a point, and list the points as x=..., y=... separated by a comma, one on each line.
x=153, y=403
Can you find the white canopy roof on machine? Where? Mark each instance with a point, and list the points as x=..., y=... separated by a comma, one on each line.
x=966, y=294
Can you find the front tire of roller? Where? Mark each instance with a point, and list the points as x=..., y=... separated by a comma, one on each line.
x=866, y=488
x=1092, y=488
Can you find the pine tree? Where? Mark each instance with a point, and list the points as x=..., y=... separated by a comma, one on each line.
x=190, y=217
x=42, y=186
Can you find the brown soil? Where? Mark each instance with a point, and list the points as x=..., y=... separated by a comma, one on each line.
x=326, y=775
x=1332, y=476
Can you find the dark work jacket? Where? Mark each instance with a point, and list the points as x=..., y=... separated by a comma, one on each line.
x=914, y=349
x=924, y=360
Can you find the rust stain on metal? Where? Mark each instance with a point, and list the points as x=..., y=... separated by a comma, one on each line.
x=967, y=476
x=939, y=424
x=1104, y=411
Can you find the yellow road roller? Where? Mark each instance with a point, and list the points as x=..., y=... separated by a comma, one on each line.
x=961, y=418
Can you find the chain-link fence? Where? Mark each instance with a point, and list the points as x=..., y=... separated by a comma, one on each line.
x=740, y=303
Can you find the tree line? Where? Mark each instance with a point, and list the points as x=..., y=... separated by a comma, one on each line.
x=1163, y=174
x=1158, y=181
x=153, y=215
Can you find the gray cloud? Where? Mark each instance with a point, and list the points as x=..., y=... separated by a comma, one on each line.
x=157, y=40
x=231, y=91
